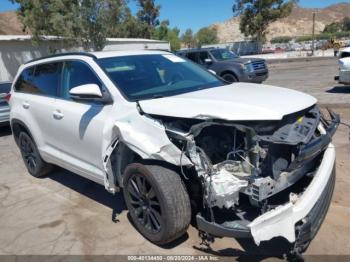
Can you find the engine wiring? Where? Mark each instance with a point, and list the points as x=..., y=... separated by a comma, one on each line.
x=181, y=166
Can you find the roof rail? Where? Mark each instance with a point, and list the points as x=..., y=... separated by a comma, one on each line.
x=62, y=54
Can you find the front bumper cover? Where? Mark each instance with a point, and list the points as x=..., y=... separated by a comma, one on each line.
x=307, y=212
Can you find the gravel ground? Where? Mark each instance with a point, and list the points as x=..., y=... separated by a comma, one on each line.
x=66, y=214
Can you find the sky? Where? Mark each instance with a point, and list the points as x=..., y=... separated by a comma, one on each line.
x=196, y=14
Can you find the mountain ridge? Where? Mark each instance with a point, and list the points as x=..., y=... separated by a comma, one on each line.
x=298, y=23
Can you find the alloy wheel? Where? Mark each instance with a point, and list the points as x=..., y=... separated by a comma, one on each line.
x=27, y=148
x=145, y=203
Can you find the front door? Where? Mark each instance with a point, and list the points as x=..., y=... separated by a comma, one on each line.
x=80, y=125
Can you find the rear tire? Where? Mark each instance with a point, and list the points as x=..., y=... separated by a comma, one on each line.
x=35, y=165
x=157, y=201
x=230, y=78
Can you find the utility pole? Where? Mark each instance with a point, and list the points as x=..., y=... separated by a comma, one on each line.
x=313, y=33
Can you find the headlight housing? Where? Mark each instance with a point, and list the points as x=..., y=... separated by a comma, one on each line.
x=248, y=68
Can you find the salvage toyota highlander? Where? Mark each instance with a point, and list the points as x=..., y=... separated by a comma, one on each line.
x=243, y=160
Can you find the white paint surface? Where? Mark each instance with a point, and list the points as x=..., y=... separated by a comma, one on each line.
x=239, y=101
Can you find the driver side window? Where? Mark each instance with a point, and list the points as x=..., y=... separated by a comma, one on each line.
x=203, y=56
x=76, y=73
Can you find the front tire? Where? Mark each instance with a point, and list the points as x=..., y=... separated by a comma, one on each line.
x=230, y=78
x=35, y=165
x=157, y=201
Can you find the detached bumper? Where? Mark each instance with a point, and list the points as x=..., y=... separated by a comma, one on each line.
x=299, y=219
x=309, y=210
x=282, y=220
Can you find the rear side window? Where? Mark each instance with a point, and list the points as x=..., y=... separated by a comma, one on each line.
x=24, y=82
x=42, y=80
x=76, y=73
x=203, y=56
x=47, y=78
x=193, y=57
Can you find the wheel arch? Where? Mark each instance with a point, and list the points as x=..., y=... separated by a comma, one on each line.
x=123, y=155
x=231, y=72
x=18, y=126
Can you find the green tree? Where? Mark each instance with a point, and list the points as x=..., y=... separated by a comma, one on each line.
x=346, y=23
x=148, y=15
x=161, y=32
x=174, y=39
x=333, y=28
x=207, y=36
x=84, y=23
x=130, y=26
x=188, y=39
x=281, y=39
x=257, y=15
x=164, y=32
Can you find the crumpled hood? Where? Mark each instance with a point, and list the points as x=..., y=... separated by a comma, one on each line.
x=238, y=101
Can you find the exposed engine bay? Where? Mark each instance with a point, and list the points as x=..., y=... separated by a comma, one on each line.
x=250, y=161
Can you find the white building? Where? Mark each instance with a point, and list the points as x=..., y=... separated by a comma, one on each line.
x=18, y=49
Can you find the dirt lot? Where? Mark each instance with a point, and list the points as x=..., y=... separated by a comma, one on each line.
x=67, y=214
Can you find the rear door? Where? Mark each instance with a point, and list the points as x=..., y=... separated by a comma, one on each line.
x=35, y=93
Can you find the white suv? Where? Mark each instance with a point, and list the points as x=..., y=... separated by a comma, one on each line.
x=243, y=160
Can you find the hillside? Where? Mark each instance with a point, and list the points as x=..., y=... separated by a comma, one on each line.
x=298, y=23
x=10, y=24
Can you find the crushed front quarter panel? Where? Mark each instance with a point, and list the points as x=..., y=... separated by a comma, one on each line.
x=147, y=137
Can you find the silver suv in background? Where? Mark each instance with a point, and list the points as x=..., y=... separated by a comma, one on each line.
x=228, y=65
x=5, y=89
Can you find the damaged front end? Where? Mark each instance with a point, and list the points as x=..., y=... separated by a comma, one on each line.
x=259, y=179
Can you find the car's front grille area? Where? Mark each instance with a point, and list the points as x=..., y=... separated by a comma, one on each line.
x=261, y=74
x=259, y=65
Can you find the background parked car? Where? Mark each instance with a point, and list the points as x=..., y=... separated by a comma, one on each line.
x=5, y=89
x=228, y=65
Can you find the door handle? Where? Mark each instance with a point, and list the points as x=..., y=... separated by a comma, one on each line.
x=25, y=105
x=58, y=115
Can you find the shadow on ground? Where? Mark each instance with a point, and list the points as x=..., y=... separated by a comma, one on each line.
x=272, y=249
x=275, y=248
x=91, y=190
x=5, y=130
x=339, y=90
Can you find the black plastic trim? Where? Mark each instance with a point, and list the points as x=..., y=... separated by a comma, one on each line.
x=313, y=149
x=221, y=231
x=62, y=54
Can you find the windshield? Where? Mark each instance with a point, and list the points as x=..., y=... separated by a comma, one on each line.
x=153, y=76
x=223, y=54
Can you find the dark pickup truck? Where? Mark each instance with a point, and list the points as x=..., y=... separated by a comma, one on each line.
x=228, y=65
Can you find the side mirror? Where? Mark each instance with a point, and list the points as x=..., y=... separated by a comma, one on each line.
x=208, y=61
x=86, y=92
